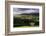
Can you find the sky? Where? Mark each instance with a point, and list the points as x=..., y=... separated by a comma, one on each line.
x=25, y=10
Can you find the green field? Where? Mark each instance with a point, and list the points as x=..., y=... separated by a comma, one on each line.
x=26, y=21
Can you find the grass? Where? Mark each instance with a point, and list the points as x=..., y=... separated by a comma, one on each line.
x=26, y=26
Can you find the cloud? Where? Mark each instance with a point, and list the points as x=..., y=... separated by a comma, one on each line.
x=24, y=10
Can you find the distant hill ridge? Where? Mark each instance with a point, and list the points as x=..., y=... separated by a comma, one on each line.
x=30, y=14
